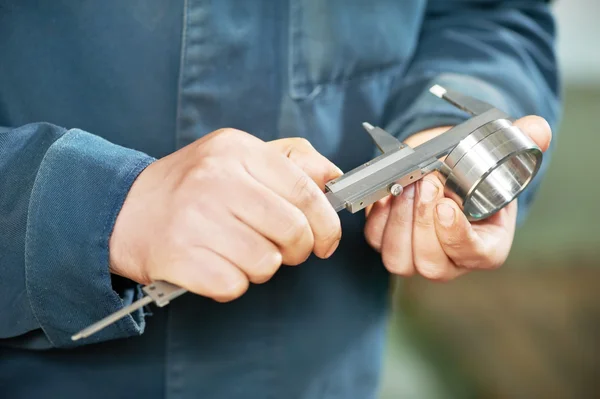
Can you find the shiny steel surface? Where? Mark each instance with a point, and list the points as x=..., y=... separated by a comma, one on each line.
x=371, y=181
x=471, y=140
x=493, y=172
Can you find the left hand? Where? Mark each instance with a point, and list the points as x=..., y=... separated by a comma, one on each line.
x=423, y=232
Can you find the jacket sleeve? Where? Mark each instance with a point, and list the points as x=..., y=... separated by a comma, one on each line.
x=60, y=193
x=502, y=52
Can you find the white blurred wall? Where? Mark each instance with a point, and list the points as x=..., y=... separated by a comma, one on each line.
x=579, y=40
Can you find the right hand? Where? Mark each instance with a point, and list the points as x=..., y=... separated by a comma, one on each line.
x=224, y=211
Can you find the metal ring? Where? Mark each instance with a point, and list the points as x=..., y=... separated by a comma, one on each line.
x=489, y=174
x=471, y=140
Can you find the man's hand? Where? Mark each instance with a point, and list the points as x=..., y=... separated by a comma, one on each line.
x=422, y=232
x=227, y=210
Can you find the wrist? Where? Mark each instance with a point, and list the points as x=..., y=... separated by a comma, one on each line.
x=125, y=258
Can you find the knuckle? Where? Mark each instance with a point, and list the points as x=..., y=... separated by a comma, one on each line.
x=453, y=242
x=302, y=184
x=232, y=290
x=266, y=267
x=297, y=257
x=304, y=191
x=229, y=139
x=326, y=173
x=494, y=262
x=195, y=175
x=431, y=270
x=395, y=264
x=496, y=256
x=297, y=254
x=332, y=230
x=486, y=258
x=227, y=133
x=301, y=142
x=208, y=167
x=469, y=263
x=295, y=229
x=480, y=263
x=296, y=241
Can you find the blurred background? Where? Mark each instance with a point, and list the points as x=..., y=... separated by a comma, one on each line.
x=532, y=328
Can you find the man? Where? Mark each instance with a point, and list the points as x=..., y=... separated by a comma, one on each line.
x=152, y=140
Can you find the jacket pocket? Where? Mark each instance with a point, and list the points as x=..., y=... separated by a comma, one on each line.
x=334, y=41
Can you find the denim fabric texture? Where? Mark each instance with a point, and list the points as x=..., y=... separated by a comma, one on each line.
x=91, y=93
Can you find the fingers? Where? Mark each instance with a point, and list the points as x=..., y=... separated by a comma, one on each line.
x=243, y=247
x=481, y=246
x=429, y=257
x=304, y=155
x=485, y=244
x=377, y=217
x=537, y=129
x=434, y=237
x=283, y=177
x=276, y=219
x=396, y=248
x=206, y=273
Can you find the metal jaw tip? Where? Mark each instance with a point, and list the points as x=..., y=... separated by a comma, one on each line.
x=368, y=126
x=438, y=91
x=461, y=101
x=383, y=140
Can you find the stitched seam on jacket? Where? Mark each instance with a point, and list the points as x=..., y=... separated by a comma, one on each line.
x=182, y=61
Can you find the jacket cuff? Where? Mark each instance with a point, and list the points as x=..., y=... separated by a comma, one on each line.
x=78, y=192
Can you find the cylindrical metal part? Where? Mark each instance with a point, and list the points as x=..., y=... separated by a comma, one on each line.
x=490, y=168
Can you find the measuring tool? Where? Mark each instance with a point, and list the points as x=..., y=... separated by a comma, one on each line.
x=488, y=163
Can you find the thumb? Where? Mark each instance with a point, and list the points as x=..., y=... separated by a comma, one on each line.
x=304, y=155
x=537, y=128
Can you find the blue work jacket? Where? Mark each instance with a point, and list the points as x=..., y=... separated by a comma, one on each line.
x=92, y=92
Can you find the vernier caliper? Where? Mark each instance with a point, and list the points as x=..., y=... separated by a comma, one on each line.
x=488, y=163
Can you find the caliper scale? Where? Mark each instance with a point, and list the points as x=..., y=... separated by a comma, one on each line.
x=488, y=163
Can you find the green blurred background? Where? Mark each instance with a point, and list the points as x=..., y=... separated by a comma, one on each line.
x=532, y=328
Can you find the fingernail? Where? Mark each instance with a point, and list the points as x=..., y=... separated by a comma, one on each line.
x=332, y=249
x=427, y=191
x=445, y=214
x=339, y=171
x=409, y=192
